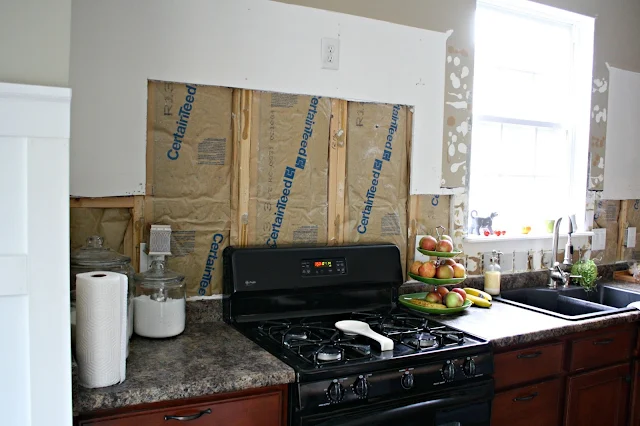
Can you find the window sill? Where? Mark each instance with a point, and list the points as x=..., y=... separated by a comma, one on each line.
x=518, y=237
x=480, y=244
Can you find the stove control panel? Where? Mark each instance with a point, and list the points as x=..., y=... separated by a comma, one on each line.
x=452, y=372
x=323, y=267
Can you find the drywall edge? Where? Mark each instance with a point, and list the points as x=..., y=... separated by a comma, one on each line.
x=117, y=46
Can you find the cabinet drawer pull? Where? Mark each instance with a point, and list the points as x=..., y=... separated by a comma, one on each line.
x=525, y=398
x=530, y=355
x=188, y=418
x=602, y=341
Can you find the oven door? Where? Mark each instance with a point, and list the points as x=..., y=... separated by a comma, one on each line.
x=466, y=406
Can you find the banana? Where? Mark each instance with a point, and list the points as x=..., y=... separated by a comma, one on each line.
x=478, y=293
x=478, y=301
x=426, y=304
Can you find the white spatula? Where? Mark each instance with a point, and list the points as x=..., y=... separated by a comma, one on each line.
x=363, y=329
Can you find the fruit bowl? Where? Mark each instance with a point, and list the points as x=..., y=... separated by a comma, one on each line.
x=440, y=253
x=405, y=300
x=437, y=281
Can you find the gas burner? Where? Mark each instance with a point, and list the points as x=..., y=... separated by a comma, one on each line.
x=360, y=348
x=329, y=353
x=420, y=341
x=295, y=335
x=448, y=336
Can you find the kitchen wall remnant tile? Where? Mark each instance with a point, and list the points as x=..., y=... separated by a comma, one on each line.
x=457, y=123
x=520, y=261
x=598, y=128
x=474, y=265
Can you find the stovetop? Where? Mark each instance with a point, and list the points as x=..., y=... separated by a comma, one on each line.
x=313, y=345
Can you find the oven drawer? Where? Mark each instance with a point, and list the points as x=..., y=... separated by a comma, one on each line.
x=468, y=405
x=528, y=365
x=518, y=407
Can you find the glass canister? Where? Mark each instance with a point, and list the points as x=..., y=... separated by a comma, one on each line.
x=159, y=302
x=95, y=257
x=492, y=274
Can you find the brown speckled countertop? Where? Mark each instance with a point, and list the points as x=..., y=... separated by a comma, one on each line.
x=507, y=325
x=212, y=357
x=206, y=359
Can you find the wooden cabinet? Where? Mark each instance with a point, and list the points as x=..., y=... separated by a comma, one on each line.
x=634, y=415
x=598, y=397
x=518, y=407
x=262, y=407
x=578, y=380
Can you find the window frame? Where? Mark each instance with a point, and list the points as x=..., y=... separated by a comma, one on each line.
x=582, y=32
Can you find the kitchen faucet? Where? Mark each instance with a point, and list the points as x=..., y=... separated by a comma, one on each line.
x=558, y=272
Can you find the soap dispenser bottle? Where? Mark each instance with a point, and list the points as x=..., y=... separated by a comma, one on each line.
x=492, y=274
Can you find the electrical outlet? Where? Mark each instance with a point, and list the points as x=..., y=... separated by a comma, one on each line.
x=631, y=237
x=330, y=53
x=599, y=239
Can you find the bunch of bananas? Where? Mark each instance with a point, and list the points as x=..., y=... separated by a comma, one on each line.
x=478, y=297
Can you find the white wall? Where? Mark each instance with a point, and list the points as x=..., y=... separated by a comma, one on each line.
x=256, y=44
x=34, y=41
x=622, y=179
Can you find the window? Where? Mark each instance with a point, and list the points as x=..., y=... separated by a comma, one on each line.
x=532, y=88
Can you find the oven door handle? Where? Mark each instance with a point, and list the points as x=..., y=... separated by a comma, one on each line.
x=396, y=414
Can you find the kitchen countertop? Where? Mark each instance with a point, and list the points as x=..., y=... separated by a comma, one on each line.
x=212, y=357
x=507, y=325
x=206, y=359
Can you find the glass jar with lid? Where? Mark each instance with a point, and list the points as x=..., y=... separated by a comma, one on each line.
x=159, y=302
x=96, y=257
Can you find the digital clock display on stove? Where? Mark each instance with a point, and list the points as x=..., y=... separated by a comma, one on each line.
x=323, y=267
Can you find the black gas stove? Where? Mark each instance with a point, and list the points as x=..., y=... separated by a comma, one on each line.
x=288, y=300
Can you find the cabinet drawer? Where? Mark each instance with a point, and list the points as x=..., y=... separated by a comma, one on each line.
x=520, y=406
x=259, y=410
x=527, y=365
x=601, y=349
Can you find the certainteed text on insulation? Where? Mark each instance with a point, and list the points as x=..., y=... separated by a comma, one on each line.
x=290, y=173
x=377, y=170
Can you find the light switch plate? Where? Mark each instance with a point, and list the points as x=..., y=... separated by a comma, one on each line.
x=599, y=239
x=631, y=237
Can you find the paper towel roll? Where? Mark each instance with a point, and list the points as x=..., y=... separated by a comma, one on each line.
x=101, y=328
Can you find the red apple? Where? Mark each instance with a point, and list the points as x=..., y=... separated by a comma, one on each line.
x=459, y=271
x=433, y=297
x=446, y=237
x=415, y=266
x=444, y=245
x=461, y=292
x=428, y=243
x=427, y=270
x=444, y=272
x=449, y=261
x=453, y=300
x=442, y=291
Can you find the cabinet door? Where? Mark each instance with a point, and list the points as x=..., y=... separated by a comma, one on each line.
x=599, y=397
x=518, y=407
x=635, y=395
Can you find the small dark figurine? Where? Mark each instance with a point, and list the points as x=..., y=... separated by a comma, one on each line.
x=478, y=223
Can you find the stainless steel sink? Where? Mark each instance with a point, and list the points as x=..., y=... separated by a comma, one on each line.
x=572, y=303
